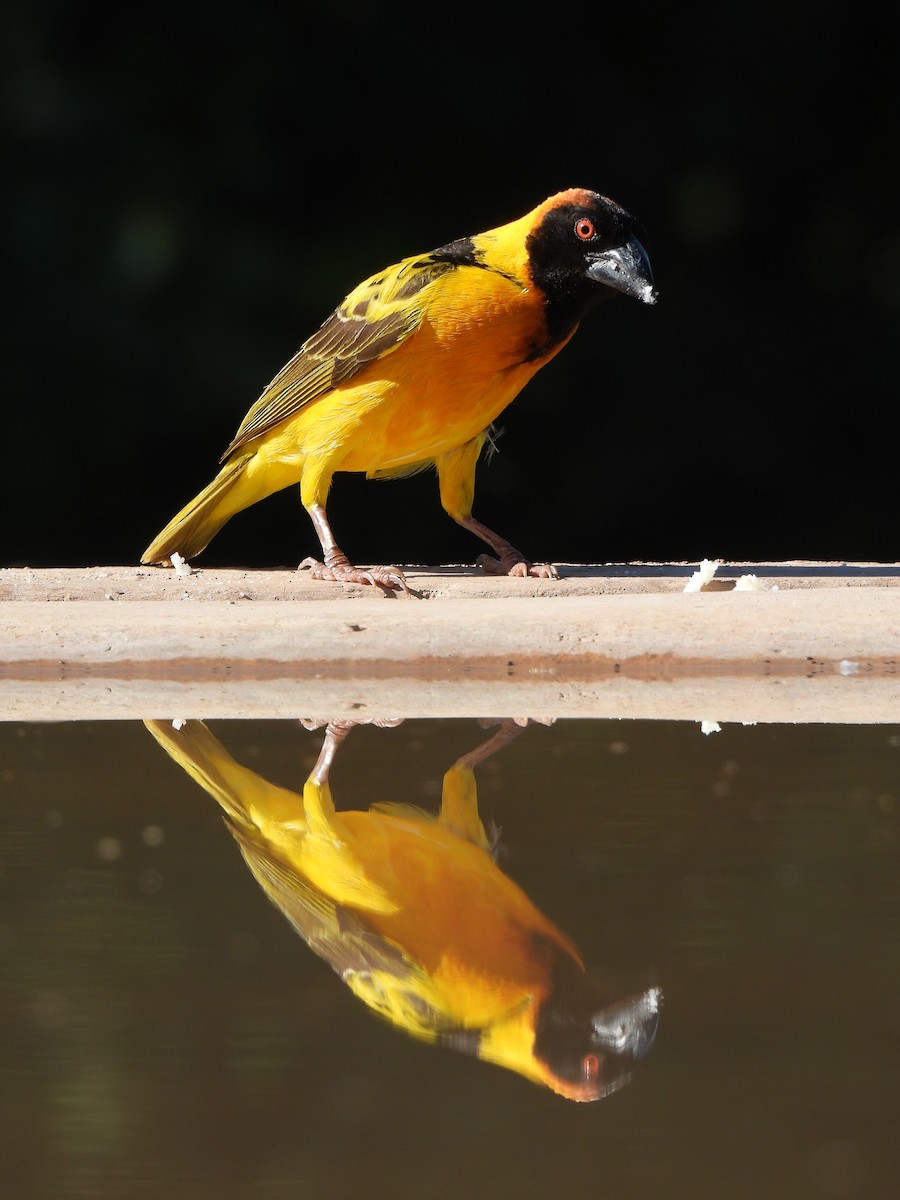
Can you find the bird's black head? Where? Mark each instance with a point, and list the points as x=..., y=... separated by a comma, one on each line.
x=588, y=1044
x=584, y=248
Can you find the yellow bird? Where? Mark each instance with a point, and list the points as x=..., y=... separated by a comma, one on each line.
x=413, y=367
x=415, y=916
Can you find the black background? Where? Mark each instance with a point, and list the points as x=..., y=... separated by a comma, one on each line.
x=191, y=190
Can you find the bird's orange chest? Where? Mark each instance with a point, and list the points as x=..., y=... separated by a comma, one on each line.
x=494, y=322
x=480, y=339
x=457, y=914
x=479, y=343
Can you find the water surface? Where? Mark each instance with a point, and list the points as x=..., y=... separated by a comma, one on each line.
x=166, y=1032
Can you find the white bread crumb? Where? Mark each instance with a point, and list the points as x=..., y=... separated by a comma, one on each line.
x=703, y=576
x=752, y=583
x=181, y=565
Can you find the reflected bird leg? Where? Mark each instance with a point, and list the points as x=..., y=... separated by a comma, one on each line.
x=459, y=793
x=336, y=566
x=509, y=730
x=335, y=733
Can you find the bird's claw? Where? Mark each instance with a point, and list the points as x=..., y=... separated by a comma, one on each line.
x=338, y=571
x=516, y=566
x=311, y=724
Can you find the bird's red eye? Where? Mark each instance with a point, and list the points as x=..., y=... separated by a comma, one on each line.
x=590, y=1067
x=584, y=228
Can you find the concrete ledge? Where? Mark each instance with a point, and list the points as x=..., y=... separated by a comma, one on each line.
x=821, y=644
x=429, y=583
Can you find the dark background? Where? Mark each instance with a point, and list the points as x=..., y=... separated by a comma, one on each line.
x=190, y=190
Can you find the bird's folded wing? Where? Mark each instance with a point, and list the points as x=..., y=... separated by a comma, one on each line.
x=373, y=321
x=373, y=965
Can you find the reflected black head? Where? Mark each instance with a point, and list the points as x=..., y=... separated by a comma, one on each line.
x=586, y=1039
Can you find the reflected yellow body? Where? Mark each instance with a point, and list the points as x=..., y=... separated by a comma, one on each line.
x=474, y=944
x=410, y=909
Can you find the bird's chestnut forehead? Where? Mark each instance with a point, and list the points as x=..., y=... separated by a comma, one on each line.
x=576, y=196
x=611, y=219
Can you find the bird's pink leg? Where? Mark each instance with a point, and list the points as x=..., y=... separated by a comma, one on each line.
x=509, y=560
x=336, y=565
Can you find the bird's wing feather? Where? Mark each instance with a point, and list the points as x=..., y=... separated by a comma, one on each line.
x=371, y=322
x=330, y=929
x=374, y=966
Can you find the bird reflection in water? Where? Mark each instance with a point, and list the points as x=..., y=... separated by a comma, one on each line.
x=413, y=913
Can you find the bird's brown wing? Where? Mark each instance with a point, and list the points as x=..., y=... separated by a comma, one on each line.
x=332, y=931
x=373, y=321
x=375, y=967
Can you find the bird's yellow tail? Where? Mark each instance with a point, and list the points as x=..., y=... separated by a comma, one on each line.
x=249, y=801
x=198, y=522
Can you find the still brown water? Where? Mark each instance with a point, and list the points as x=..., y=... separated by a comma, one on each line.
x=166, y=1032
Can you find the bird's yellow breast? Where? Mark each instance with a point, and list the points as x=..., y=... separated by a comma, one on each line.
x=478, y=937
x=479, y=342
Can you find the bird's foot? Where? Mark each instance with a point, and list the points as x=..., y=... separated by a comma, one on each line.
x=338, y=569
x=313, y=723
x=514, y=564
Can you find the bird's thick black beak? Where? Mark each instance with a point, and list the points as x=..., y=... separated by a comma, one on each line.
x=626, y=269
x=629, y=1028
